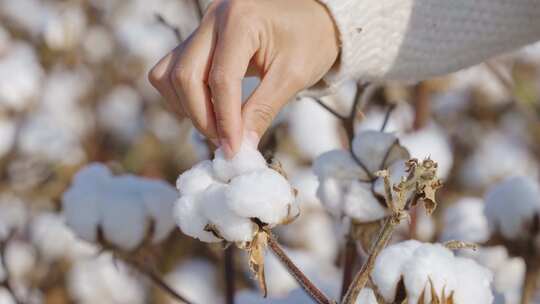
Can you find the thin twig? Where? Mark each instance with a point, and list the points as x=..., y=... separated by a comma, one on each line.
x=156, y=279
x=317, y=295
x=389, y=111
x=329, y=109
x=362, y=277
x=168, y=25
x=229, y=275
x=350, y=257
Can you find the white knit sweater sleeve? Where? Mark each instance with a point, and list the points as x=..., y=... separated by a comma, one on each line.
x=411, y=40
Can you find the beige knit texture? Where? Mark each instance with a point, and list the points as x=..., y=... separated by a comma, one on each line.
x=412, y=40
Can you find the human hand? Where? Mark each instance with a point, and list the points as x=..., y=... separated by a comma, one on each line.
x=289, y=45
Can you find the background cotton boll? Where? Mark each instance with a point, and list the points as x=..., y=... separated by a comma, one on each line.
x=246, y=160
x=508, y=279
x=196, y=179
x=191, y=221
x=343, y=97
x=20, y=258
x=511, y=206
x=21, y=75
x=197, y=280
x=230, y=225
x=372, y=148
x=337, y=164
x=120, y=112
x=8, y=131
x=13, y=214
x=5, y=40
x=400, y=120
x=313, y=129
x=361, y=205
x=264, y=194
x=54, y=240
x=387, y=271
x=29, y=15
x=64, y=27
x=479, y=78
x=432, y=142
x=496, y=157
x=331, y=194
x=465, y=221
x=5, y=297
x=102, y=280
x=123, y=218
x=98, y=44
x=306, y=183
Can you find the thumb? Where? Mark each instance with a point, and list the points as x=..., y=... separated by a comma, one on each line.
x=267, y=100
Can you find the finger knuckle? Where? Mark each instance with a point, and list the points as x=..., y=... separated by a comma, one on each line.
x=264, y=113
x=297, y=77
x=183, y=77
x=155, y=77
x=218, y=79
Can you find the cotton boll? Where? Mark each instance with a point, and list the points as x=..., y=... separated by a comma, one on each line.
x=230, y=225
x=102, y=280
x=54, y=240
x=397, y=171
x=158, y=198
x=337, y=164
x=371, y=148
x=306, y=183
x=13, y=214
x=474, y=282
x=313, y=129
x=387, y=271
x=246, y=160
x=496, y=157
x=190, y=220
x=120, y=112
x=21, y=75
x=263, y=194
x=366, y=296
x=400, y=120
x=331, y=194
x=5, y=40
x=8, y=131
x=64, y=27
x=98, y=44
x=29, y=15
x=511, y=206
x=6, y=297
x=465, y=221
x=196, y=179
x=361, y=205
x=20, y=258
x=431, y=142
x=509, y=277
x=196, y=280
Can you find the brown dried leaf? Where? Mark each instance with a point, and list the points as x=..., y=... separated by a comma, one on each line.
x=256, y=259
x=401, y=292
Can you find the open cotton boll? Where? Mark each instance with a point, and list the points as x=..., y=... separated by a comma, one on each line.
x=397, y=171
x=312, y=128
x=8, y=131
x=6, y=297
x=306, y=183
x=121, y=112
x=264, y=194
x=366, y=296
x=64, y=27
x=423, y=265
x=13, y=214
x=104, y=280
x=98, y=43
x=337, y=164
x=511, y=206
x=361, y=205
x=400, y=120
x=331, y=194
x=21, y=75
x=230, y=225
x=246, y=160
x=191, y=221
x=373, y=148
x=197, y=280
x=432, y=142
x=196, y=179
x=465, y=221
x=21, y=259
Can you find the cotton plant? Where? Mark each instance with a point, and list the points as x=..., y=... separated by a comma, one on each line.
x=124, y=212
x=414, y=272
x=236, y=201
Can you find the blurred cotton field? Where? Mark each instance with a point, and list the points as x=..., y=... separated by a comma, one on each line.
x=89, y=160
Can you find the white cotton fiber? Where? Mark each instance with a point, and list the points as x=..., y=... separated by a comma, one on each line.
x=360, y=203
x=123, y=207
x=191, y=221
x=465, y=221
x=247, y=159
x=371, y=148
x=248, y=195
x=196, y=179
x=424, y=265
x=511, y=206
x=231, y=226
x=337, y=164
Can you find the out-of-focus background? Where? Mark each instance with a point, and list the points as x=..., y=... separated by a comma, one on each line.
x=73, y=90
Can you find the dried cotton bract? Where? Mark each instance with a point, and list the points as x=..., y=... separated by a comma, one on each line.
x=123, y=208
x=229, y=199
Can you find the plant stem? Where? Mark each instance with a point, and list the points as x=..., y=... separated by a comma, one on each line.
x=362, y=277
x=156, y=279
x=422, y=106
x=317, y=295
x=350, y=257
x=229, y=275
x=529, y=284
x=329, y=109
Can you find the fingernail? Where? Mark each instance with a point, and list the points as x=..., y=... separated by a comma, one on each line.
x=252, y=137
x=227, y=149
